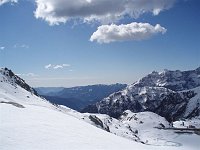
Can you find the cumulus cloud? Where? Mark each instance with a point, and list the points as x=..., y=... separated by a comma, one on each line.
x=104, y=11
x=7, y=1
x=133, y=31
x=50, y=66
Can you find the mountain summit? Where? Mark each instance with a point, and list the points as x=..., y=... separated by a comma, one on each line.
x=13, y=79
x=171, y=94
x=173, y=80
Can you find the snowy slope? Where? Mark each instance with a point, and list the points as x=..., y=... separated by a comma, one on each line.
x=42, y=128
x=193, y=106
x=141, y=127
x=30, y=122
x=9, y=77
x=146, y=124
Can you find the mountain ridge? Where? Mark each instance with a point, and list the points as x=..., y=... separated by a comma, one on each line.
x=153, y=93
x=79, y=97
x=13, y=79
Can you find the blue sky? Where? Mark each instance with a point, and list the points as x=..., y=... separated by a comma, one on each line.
x=28, y=44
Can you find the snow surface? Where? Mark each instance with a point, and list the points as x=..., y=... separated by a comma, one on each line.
x=186, y=123
x=41, y=126
x=28, y=122
x=193, y=102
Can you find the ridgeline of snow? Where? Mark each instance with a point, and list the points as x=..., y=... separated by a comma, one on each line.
x=174, y=80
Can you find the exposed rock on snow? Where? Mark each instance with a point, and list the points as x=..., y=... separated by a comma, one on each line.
x=171, y=94
x=13, y=79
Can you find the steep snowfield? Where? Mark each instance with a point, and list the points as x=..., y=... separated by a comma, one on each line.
x=28, y=122
x=42, y=128
x=194, y=102
x=143, y=128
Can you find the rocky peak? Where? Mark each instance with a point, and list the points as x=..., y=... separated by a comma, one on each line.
x=167, y=93
x=175, y=80
x=9, y=76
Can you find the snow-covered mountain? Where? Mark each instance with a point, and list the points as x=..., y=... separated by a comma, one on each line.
x=30, y=122
x=171, y=94
x=174, y=80
x=9, y=77
x=51, y=91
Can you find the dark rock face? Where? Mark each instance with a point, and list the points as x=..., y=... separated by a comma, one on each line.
x=14, y=79
x=173, y=105
x=98, y=122
x=161, y=93
x=90, y=108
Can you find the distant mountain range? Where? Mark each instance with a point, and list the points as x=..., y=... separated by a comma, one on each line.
x=171, y=94
x=50, y=91
x=78, y=97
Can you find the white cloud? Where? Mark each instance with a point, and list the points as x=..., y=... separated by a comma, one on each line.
x=57, y=66
x=104, y=11
x=7, y=1
x=134, y=31
x=50, y=66
x=24, y=46
x=21, y=46
x=66, y=65
x=2, y=48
